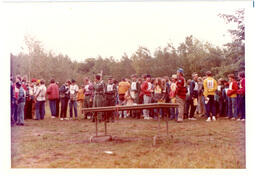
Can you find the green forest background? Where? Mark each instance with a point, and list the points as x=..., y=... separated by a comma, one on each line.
x=192, y=55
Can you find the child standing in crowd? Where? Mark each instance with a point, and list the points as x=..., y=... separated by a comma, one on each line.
x=123, y=87
x=232, y=97
x=158, y=96
x=73, y=90
x=210, y=87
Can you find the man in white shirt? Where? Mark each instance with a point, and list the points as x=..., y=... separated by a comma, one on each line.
x=73, y=89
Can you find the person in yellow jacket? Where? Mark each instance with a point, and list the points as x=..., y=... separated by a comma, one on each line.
x=80, y=100
x=210, y=87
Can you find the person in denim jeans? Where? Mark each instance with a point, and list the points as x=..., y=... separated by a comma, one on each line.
x=73, y=89
x=232, y=97
x=21, y=104
x=40, y=100
x=53, y=95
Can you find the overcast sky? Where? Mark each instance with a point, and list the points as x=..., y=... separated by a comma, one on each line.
x=83, y=30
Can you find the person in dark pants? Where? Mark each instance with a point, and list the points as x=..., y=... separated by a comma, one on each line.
x=210, y=87
x=64, y=97
x=241, y=93
x=110, y=92
x=88, y=96
x=98, y=100
x=40, y=101
x=193, y=96
x=134, y=92
x=57, y=104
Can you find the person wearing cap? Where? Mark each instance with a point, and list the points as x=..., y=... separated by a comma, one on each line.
x=40, y=100
x=88, y=96
x=21, y=104
x=53, y=95
x=110, y=92
x=210, y=87
x=147, y=90
x=98, y=99
x=172, y=96
x=73, y=90
x=64, y=98
x=181, y=91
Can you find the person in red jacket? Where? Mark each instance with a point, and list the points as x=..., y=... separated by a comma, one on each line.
x=181, y=91
x=232, y=97
x=53, y=95
x=146, y=91
x=241, y=96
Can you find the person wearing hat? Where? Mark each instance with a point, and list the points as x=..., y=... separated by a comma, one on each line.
x=88, y=96
x=110, y=93
x=21, y=104
x=98, y=99
x=73, y=90
x=147, y=89
x=181, y=91
x=53, y=95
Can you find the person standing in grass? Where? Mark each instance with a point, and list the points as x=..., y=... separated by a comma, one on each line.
x=232, y=97
x=159, y=96
x=172, y=96
x=110, y=93
x=181, y=91
x=210, y=87
x=64, y=97
x=40, y=100
x=88, y=95
x=53, y=95
x=241, y=94
x=147, y=90
x=134, y=92
x=123, y=87
x=73, y=90
x=20, y=103
x=98, y=100
x=80, y=100
x=193, y=96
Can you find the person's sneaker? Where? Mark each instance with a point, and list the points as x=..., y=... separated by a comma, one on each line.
x=213, y=118
x=61, y=119
x=233, y=118
x=179, y=121
x=150, y=118
x=53, y=117
x=192, y=118
x=242, y=120
x=208, y=120
x=66, y=118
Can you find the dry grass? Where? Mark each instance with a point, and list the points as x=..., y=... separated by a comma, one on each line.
x=193, y=144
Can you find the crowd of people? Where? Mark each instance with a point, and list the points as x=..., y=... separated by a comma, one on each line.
x=197, y=97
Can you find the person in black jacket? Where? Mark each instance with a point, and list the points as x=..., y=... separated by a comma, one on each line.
x=64, y=97
x=193, y=96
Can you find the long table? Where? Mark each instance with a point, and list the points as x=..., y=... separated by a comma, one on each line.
x=164, y=106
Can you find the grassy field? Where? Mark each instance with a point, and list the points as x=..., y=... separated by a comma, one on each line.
x=52, y=143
